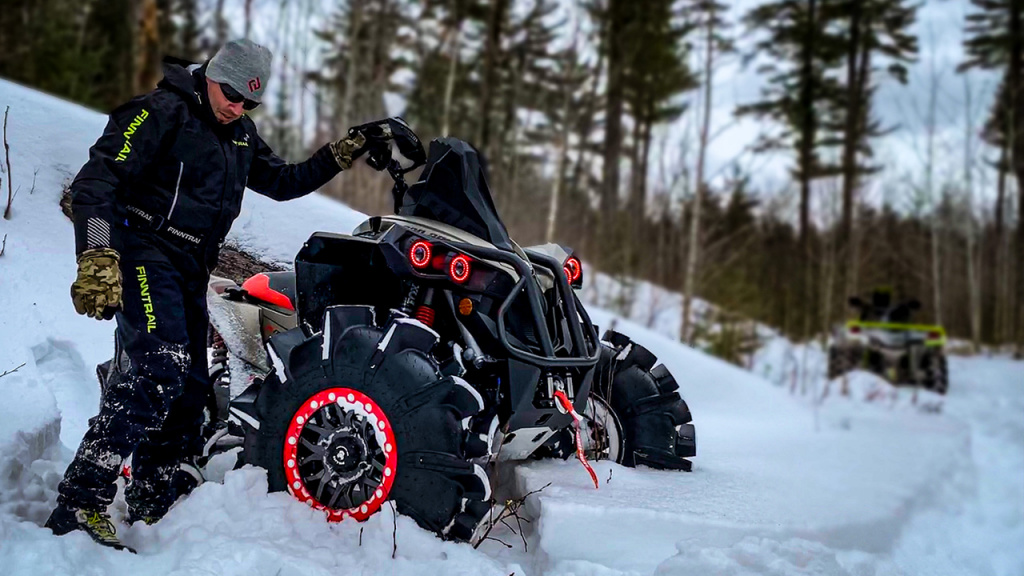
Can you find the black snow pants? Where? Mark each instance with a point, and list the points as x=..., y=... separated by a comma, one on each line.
x=155, y=410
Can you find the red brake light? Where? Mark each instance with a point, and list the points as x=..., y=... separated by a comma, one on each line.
x=419, y=254
x=934, y=335
x=854, y=329
x=458, y=270
x=573, y=269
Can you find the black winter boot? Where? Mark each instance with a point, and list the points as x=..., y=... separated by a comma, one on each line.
x=93, y=522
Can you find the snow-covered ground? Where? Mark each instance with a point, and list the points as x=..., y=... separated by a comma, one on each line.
x=866, y=484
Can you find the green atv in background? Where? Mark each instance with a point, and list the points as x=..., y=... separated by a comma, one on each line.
x=884, y=341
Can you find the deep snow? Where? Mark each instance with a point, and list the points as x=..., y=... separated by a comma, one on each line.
x=783, y=484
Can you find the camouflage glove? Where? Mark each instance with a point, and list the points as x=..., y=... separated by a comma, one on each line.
x=97, y=291
x=347, y=149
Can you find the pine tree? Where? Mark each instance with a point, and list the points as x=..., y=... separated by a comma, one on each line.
x=801, y=47
x=996, y=42
x=874, y=30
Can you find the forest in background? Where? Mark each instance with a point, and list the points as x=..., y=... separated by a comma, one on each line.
x=577, y=105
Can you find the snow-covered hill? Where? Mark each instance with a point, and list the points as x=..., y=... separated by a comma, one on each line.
x=780, y=486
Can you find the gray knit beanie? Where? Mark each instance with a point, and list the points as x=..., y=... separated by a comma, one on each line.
x=244, y=65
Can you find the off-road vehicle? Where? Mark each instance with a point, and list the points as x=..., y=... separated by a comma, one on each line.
x=883, y=340
x=401, y=361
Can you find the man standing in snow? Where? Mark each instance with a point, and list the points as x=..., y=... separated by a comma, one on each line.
x=151, y=208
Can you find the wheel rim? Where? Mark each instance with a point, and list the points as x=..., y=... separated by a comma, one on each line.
x=340, y=454
x=602, y=437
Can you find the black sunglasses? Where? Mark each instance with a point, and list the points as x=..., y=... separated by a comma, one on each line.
x=235, y=97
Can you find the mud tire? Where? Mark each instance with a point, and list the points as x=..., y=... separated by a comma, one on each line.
x=842, y=360
x=435, y=482
x=655, y=421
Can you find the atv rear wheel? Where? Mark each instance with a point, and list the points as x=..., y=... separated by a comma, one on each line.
x=936, y=372
x=645, y=405
x=361, y=414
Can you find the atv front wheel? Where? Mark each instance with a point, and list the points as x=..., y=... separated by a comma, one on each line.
x=361, y=414
x=645, y=408
x=842, y=360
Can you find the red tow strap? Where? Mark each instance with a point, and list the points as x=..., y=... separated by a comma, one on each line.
x=567, y=405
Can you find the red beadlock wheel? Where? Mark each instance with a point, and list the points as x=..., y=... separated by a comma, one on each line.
x=340, y=454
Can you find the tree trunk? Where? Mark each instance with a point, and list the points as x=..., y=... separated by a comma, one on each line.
x=449, y=86
x=347, y=103
x=562, y=143
x=220, y=24
x=930, y=192
x=496, y=21
x=973, y=274
x=147, y=40
x=615, y=96
x=808, y=129
x=693, y=255
x=851, y=141
x=1016, y=137
x=1000, y=304
x=248, y=18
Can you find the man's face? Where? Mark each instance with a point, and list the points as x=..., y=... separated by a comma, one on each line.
x=225, y=111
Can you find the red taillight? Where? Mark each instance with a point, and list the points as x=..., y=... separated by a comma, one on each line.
x=458, y=270
x=419, y=254
x=854, y=329
x=935, y=335
x=573, y=269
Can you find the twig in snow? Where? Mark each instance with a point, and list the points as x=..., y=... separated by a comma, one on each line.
x=510, y=510
x=526, y=547
x=360, y=536
x=34, y=174
x=7, y=154
x=394, y=529
x=506, y=544
x=6, y=372
x=4, y=246
x=609, y=476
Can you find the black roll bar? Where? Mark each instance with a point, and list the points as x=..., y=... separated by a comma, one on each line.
x=586, y=355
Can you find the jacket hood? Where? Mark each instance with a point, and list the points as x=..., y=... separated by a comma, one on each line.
x=180, y=81
x=190, y=84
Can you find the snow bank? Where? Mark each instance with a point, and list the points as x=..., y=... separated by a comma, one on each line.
x=846, y=476
x=781, y=485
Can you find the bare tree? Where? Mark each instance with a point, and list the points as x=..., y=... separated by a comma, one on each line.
x=699, y=190
x=973, y=273
x=929, y=186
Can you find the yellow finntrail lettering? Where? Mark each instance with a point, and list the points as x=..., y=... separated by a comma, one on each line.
x=147, y=300
x=135, y=123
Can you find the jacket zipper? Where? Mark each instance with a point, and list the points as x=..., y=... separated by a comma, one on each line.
x=177, y=187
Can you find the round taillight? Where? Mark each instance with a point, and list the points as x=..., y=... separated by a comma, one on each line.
x=458, y=270
x=573, y=269
x=419, y=254
x=935, y=335
x=854, y=329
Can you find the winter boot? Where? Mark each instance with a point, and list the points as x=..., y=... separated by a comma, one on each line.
x=93, y=522
x=132, y=518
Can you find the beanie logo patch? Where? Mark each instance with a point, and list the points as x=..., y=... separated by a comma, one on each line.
x=254, y=84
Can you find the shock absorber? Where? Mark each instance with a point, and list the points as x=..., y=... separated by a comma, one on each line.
x=425, y=311
x=410, y=299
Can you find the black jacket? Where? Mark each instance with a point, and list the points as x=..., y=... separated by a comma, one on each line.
x=165, y=155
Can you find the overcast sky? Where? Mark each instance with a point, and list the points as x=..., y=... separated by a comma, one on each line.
x=939, y=28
